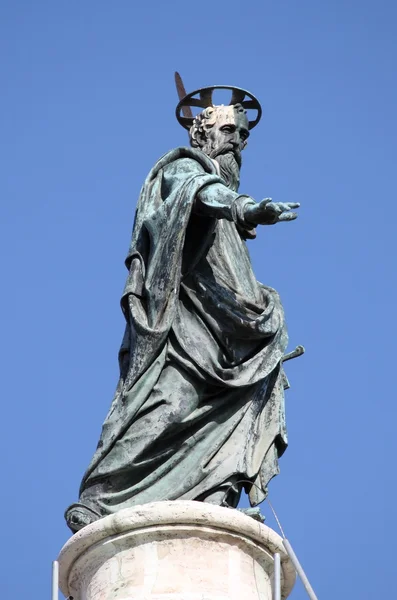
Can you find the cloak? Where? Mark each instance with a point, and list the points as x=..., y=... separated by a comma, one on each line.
x=200, y=400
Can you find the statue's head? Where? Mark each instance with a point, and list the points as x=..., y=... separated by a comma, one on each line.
x=220, y=131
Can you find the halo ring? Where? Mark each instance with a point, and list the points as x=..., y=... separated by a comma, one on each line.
x=239, y=96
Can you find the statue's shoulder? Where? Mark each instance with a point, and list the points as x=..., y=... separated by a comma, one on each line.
x=184, y=158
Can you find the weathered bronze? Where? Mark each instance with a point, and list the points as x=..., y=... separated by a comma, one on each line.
x=198, y=412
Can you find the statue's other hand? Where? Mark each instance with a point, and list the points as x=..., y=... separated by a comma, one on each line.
x=269, y=213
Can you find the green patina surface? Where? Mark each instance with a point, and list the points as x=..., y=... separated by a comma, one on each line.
x=200, y=401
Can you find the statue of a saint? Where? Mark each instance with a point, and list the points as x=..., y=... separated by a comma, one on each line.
x=200, y=401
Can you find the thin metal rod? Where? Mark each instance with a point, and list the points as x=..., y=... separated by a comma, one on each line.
x=277, y=577
x=299, y=569
x=55, y=579
x=276, y=517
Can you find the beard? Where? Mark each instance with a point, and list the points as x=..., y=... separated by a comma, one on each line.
x=229, y=160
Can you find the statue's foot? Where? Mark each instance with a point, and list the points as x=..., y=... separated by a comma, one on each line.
x=254, y=513
x=78, y=516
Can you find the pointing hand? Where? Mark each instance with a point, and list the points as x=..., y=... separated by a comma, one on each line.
x=269, y=213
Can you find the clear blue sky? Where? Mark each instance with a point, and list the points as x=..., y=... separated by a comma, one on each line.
x=87, y=106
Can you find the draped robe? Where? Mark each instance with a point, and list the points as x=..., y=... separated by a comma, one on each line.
x=200, y=401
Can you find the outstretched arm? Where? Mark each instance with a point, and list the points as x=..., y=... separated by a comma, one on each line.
x=218, y=201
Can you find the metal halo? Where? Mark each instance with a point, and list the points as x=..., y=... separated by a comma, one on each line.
x=205, y=100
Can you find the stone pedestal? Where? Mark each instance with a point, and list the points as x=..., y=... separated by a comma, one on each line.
x=178, y=550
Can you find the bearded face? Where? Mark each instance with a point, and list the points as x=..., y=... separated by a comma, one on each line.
x=225, y=141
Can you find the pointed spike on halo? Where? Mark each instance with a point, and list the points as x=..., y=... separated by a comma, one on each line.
x=180, y=88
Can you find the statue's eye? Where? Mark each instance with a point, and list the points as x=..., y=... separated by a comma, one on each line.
x=228, y=129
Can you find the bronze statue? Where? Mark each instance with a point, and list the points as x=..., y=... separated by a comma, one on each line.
x=198, y=412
